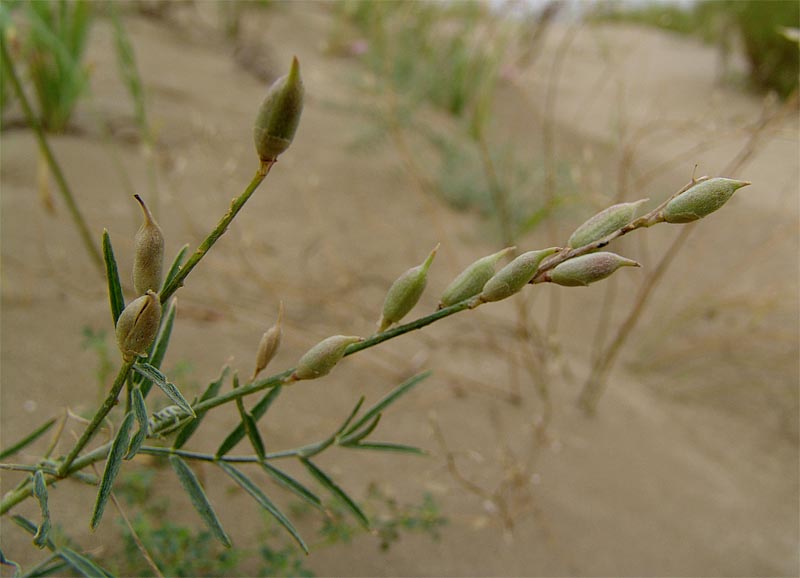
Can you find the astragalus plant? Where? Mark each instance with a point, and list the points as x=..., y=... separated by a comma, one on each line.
x=144, y=324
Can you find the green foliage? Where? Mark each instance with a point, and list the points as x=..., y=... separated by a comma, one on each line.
x=772, y=58
x=53, y=49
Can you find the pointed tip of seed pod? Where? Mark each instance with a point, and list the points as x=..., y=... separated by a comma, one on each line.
x=294, y=71
x=429, y=260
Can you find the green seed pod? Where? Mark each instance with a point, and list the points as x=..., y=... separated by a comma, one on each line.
x=269, y=344
x=148, y=260
x=702, y=199
x=405, y=292
x=587, y=269
x=471, y=280
x=320, y=359
x=279, y=115
x=137, y=325
x=514, y=276
x=603, y=223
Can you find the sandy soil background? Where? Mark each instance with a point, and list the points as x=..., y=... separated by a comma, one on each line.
x=691, y=465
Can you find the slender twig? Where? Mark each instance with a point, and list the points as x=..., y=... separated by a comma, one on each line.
x=98, y=418
x=66, y=192
x=217, y=232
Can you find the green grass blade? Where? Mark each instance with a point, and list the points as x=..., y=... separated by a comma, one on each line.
x=357, y=436
x=140, y=411
x=40, y=493
x=27, y=440
x=263, y=501
x=387, y=400
x=288, y=482
x=388, y=447
x=331, y=486
x=83, y=565
x=199, y=500
x=115, y=298
x=159, y=348
x=30, y=528
x=6, y=562
x=50, y=566
x=249, y=424
x=258, y=412
x=175, y=267
x=113, y=465
x=189, y=429
x=154, y=375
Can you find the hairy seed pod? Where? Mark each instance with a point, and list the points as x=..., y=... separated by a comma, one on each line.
x=586, y=269
x=137, y=325
x=405, y=292
x=148, y=260
x=471, y=280
x=279, y=115
x=603, y=223
x=269, y=344
x=702, y=199
x=514, y=276
x=320, y=359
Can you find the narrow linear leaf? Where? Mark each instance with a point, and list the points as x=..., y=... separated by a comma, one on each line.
x=83, y=565
x=30, y=528
x=388, y=447
x=159, y=348
x=289, y=483
x=118, y=449
x=154, y=375
x=357, y=436
x=6, y=562
x=259, y=409
x=387, y=400
x=140, y=411
x=199, y=500
x=317, y=448
x=350, y=417
x=189, y=429
x=115, y=298
x=49, y=567
x=175, y=267
x=40, y=493
x=249, y=424
x=27, y=440
x=331, y=486
x=263, y=501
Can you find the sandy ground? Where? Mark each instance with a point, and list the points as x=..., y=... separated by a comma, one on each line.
x=690, y=467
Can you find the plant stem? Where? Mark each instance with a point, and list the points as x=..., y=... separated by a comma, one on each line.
x=217, y=232
x=98, y=418
x=66, y=192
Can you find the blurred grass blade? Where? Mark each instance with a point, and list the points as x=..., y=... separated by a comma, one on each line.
x=357, y=436
x=30, y=528
x=126, y=59
x=27, y=440
x=40, y=493
x=331, y=486
x=113, y=464
x=387, y=400
x=388, y=447
x=289, y=483
x=159, y=348
x=258, y=411
x=115, y=298
x=189, y=429
x=50, y=566
x=6, y=562
x=259, y=496
x=249, y=423
x=175, y=267
x=154, y=375
x=199, y=500
x=83, y=565
x=140, y=411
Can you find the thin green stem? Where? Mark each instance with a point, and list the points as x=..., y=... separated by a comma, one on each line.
x=98, y=418
x=217, y=232
x=66, y=192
